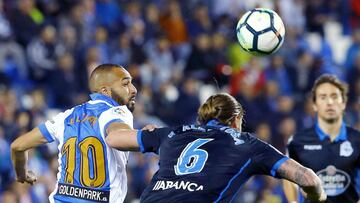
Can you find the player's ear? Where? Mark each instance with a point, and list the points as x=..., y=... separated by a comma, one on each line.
x=315, y=108
x=343, y=106
x=236, y=122
x=105, y=91
x=239, y=120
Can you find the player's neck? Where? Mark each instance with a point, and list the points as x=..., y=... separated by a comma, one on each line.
x=332, y=129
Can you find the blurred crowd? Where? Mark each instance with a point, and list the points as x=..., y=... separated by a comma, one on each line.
x=178, y=52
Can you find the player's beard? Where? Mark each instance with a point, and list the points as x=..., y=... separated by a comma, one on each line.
x=331, y=120
x=122, y=101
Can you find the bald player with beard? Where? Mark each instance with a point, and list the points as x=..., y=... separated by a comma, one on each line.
x=89, y=170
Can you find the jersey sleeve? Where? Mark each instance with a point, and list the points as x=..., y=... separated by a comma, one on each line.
x=267, y=159
x=54, y=128
x=115, y=114
x=150, y=141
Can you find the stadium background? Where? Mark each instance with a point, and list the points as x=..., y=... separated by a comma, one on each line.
x=178, y=52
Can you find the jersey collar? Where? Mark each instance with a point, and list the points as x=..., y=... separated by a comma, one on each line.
x=98, y=96
x=342, y=136
x=215, y=123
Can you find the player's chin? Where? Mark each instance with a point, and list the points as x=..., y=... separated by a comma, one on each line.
x=332, y=119
x=131, y=105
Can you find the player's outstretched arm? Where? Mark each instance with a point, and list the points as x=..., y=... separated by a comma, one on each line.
x=122, y=137
x=19, y=154
x=305, y=178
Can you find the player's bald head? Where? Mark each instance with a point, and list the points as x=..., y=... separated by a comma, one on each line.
x=105, y=75
x=115, y=82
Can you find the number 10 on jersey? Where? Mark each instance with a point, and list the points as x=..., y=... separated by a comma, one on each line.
x=89, y=148
x=192, y=159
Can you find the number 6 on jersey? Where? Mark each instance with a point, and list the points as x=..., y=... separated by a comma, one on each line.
x=192, y=159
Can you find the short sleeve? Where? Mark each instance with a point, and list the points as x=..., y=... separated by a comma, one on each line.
x=150, y=141
x=115, y=114
x=54, y=128
x=267, y=158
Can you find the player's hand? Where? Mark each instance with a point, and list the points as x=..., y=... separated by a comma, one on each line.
x=314, y=198
x=150, y=127
x=29, y=177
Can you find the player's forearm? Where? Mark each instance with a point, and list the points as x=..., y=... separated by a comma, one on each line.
x=122, y=139
x=19, y=156
x=19, y=160
x=304, y=177
x=307, y=179
x=309, y=182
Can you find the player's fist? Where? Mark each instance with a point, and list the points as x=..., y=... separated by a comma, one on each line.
x=315, y=198
x=150, y=127
x=323, y=196
x=29, y=177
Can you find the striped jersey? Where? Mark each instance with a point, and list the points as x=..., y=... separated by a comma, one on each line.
x=89, y=170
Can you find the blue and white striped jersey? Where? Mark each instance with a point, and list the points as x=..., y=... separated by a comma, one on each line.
x=89, y=170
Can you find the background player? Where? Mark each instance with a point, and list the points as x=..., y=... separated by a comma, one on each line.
x=210, y=162
x=89, y=170
x=330, y=148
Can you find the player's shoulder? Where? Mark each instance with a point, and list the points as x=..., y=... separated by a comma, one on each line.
x=307, y=135
x=98, y=106
x=60, y=116
x=115, y=114
x=304, y=135
x=191, y=128
x=353, y=134
x=247, y=136
x=122, y=111
x=251, y=138
x=166, y=131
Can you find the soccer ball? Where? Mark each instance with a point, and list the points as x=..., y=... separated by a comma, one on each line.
x=260, y=31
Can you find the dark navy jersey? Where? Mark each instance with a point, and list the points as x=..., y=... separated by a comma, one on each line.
x=337, y=162
x=205, y=163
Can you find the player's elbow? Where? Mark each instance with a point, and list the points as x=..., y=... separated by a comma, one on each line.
x=113, y=141
x=17, y=146
x=110, y=140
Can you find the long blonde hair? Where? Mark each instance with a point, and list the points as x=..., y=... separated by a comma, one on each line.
x=222, y=107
